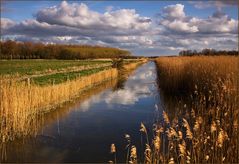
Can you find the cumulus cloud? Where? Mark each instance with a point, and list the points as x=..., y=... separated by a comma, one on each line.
x=174, y=12
x=80, y=16
x=179, y=26
x=120, y=28
x=180, y=31
x=175, y=19
x=171, y=30
x=219, y=22
x=6, y=23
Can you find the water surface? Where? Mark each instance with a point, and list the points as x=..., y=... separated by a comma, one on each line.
x=84, y=130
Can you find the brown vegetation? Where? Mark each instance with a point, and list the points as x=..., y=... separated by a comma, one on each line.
x=183, y=75
x=20, y=103
x=28, y=50
x=198, y=119
x=208, y=52
x=203, y=125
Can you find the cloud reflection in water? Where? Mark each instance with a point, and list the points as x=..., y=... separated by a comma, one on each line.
x=137, y=86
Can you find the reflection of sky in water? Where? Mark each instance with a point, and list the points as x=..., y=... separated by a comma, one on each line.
x=85, y=132
x=135, y=88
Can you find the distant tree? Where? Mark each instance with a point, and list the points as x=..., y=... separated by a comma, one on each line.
x=207, y=52
x=27, y=50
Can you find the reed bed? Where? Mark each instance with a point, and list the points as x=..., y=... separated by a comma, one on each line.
x=22, y=103
x=48, y=118
x=204, y=126
x=183, y=75
x=133, y=65
x=198, y=119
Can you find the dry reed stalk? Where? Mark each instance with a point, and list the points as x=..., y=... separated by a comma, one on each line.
x=113, y=151
x=209, y=88
x=133, y=155
x=147, y=155
x=132, y=66
x=189, y=133
x=165, y=117
x=21, y=103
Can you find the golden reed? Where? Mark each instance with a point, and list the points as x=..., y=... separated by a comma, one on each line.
x=207, y=113
x=20, y=103
x=198, y=120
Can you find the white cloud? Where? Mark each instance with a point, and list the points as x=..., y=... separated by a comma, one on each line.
x=6, y=23
x=180, y=26
x=174, y=11
x=218, y=23
x=175, y=19
x=80, y=16
x=172, y=30
x=120, y=28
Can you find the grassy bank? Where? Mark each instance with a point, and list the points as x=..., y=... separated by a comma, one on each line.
x=202, y=121
x=62, y=77
x=22, y=102
x=33, y=67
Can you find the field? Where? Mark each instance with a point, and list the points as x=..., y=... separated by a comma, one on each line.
x=47, y=72
x=32, y=67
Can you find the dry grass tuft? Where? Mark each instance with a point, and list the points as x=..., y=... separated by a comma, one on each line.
x=207, y=88
x=21, y=104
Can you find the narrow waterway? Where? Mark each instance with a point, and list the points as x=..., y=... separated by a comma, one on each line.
x=84, y=130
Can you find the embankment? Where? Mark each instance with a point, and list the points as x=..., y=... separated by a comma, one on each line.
x=22, y=103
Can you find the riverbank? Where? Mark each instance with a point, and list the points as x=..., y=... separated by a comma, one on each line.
x=22, y=102
x=83, y=129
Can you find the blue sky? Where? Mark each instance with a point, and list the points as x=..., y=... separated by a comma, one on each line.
x=21, y=10
x=194, y=24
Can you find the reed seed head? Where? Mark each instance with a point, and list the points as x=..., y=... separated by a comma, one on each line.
x=165, y=117
x=143, y=128
x=112, y=148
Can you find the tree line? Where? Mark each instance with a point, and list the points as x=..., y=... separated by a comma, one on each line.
x=28, y=50
x=208, y=52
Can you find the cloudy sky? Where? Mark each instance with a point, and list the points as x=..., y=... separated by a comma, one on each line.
x=144, y=28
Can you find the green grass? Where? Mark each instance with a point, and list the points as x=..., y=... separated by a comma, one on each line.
x=51, y=71
x=30, y=67
x=62, y=77
x=127, y=61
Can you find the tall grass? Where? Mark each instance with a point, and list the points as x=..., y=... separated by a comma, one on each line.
x=48, y=118
x=199, y=114
x=204, y=126
x=184, y=74
x=21, y=103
